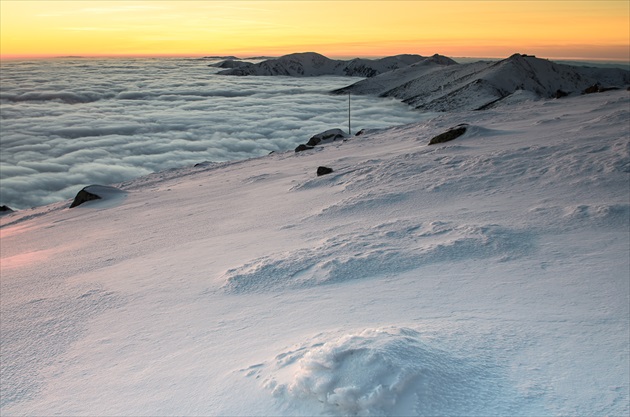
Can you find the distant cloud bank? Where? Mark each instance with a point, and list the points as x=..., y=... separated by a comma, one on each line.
x=74, y=122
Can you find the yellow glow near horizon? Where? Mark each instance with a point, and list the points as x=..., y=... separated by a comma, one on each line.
x=552, y=29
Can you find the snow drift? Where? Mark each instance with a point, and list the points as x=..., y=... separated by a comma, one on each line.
x=99, y=195
x=382, y=371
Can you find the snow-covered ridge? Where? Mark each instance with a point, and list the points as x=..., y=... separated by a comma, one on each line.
x=482, y=84
x=314, y=64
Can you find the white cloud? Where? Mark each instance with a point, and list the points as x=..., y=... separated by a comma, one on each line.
x=70, y=123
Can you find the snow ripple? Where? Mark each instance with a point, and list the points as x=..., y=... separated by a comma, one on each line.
x=383, y=371
x=34, y=333
x=386, y=249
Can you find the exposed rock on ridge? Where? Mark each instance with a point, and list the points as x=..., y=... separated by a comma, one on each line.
x=322, y=138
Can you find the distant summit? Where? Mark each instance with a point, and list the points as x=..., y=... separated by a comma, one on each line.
x=231, y=57
x=308, y=64
x=484, y=84
x=438, y=83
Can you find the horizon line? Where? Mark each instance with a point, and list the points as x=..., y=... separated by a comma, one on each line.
x=17, y=57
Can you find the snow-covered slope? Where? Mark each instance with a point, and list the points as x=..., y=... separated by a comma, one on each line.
x=314, y=64
x=482, y=84
x=484, y=276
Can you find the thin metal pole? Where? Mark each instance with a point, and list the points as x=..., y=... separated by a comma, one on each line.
x=349, y=129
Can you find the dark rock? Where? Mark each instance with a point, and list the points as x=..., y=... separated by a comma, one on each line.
x=323, y=171
x=597, y=88
x=327, y=136
x=82, y=197
x=303, y=147
x=449, y=135
x=559, y=94
x=5, y=210
x=203, y=164
x=592, y=89
x=360, y=132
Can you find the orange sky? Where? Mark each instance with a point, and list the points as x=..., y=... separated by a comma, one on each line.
x=550, y=29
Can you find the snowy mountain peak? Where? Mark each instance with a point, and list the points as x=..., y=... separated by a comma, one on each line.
x=306, y=59
x=481, y=85
x=440, y=59
x=519, y=56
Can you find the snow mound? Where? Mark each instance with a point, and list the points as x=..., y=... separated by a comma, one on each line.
x=106, y=196
x=386, y=249
x=382, y=371
x=601, y=215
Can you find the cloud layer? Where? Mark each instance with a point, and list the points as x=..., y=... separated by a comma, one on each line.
x=73, y=122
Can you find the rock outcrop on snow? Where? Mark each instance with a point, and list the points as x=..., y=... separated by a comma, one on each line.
x=96, y=192
x=328, y=136
x=5, y=210
x=83, y=196
x=484, y=84
x=449, y=135
x=322, y=138
x=313, y=64
x=323, y=171
x=302, y=147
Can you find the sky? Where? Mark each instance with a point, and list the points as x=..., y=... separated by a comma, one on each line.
x=594, y=30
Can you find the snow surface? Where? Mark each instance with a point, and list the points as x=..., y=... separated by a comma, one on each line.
x=484, y=276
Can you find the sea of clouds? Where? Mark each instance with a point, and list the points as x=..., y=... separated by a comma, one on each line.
x=72, y=122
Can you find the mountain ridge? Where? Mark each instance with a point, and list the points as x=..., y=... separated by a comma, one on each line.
x=483, y=84
x=305, y=64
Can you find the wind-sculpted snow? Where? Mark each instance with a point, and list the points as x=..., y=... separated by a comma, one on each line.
x=42, y=328
x=384, y=250
x=486, y=276
x=381, y=371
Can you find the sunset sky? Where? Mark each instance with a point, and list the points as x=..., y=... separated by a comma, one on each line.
x=549, y=29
